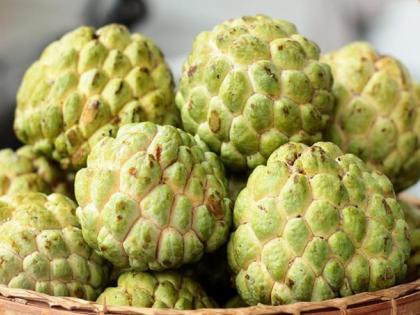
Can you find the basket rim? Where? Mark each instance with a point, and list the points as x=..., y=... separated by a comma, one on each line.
x=29, y=297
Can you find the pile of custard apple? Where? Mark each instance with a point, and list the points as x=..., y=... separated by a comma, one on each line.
x=268, y=176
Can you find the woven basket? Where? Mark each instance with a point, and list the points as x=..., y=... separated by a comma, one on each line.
x=401, y=299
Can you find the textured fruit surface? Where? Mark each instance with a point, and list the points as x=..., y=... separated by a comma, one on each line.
x=157, y=290
x=86, y=85
x=25, y=170
x=152, y=198
x=412, y=215
x=252, y=84
x=377, y=115
x=315, y=224
x=42, y=248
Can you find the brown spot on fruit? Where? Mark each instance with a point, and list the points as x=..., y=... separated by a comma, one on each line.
x=158, y=152
x=386, y=207
x=192, y=70
x=90, y=112
x=214, y=121
x=132, y=171
x=144, y=70
x=214, y=205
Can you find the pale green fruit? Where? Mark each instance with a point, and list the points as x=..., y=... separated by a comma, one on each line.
x=412, y=216
x=25, y=170
x=252, y=84
x=86, y=85
x=377, y=115
x=316, y=224
x=152, y=198
x=42, y=248
x=157, y=290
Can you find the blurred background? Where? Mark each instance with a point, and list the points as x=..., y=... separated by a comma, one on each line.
x=26, y=27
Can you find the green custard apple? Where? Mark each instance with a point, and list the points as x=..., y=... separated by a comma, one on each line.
x=42, y=248
x=152, y=198
x=167, y=289
x=315, y=224
x=86, y=85
x=25, y=170
x=252, y=84
x=377, y=115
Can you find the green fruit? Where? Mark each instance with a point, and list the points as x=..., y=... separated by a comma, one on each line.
x=156, y=290
x=42, y=248
x=88, y=84
x=152, y=198
x=25, y=170
x=377, y=115
x=315, y=224
x=412, y=215
x=252, y=84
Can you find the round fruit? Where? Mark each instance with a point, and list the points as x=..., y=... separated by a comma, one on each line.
x=152, y=198
x=42, y=248
x=25, y=170
x=377, y=115
x=315, y=224
x=157, y=290
x=252, y=84
x=88, y=84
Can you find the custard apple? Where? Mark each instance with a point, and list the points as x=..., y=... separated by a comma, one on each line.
x=377, y=115
x=412, y=215
x=315, y=224
x=88, y=84
x=42, y=248
x=152, y=198
x=25, y=170
x=252, y=84
x=167, y=289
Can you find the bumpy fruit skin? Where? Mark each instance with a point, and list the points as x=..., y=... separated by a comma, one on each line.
x=412, y=215
x=88, y=84
x=377, y=115
x=152, y=198
x=315, y=224
x=252, y=84
x=42, y=248
x=157, y=290
x=25, y=170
